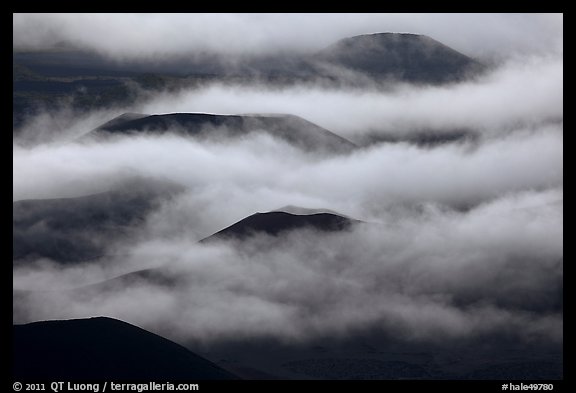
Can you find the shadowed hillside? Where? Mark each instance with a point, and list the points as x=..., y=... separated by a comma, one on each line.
x=292, y=129
x=103, y=348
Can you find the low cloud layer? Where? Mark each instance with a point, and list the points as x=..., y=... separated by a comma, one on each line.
x=520, y=93
x=428, y=275
x=462, y=239
x=148, y=36
x=421, y=270
x=457, y=174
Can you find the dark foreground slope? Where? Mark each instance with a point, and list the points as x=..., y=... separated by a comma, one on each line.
x=103, y=348
x=406, y=57
x=292, y=129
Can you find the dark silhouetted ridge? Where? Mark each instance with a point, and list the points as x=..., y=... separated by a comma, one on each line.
x=272, y=223
x=126, y=117
x=275, y=223
x=298, y=210
x=103, y=348
x=192, y=123
x=292, y=129
x=402, y=56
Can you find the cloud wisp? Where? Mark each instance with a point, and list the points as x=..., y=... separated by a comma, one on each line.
x=428, y=275
x=461, y=240
x=422, y=266
x=156, y=36
x=500, y=101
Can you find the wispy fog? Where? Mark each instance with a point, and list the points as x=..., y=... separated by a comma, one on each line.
x=154, y=36
x=428, y=275
x=423, y=267
x=460, y=239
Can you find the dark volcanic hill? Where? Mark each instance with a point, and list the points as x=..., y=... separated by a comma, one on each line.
x=117, y=122
x=78, y=229
x=292, y=129
x=277, y=222
x=274, y=223
x=399, y=56
x=103, y=348
x=80, y=80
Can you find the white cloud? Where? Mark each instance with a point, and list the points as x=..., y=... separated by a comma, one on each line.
x=153, y=35
x=521, y=93
x=466, y=238
x=428, y=276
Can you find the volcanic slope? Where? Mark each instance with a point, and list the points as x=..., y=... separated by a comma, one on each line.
x=292, y=129
x=407, y=57
x=103, y=348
